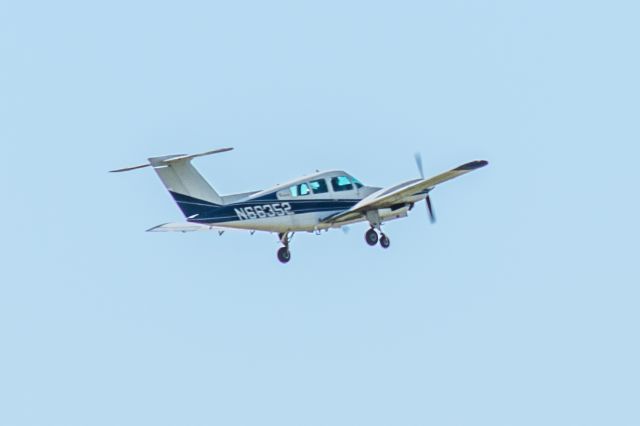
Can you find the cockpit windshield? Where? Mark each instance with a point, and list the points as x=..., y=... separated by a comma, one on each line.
x=356, y=182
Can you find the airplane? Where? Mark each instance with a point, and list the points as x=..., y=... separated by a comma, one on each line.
x=313, y=203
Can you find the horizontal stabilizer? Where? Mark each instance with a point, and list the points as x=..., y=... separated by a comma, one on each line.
x=126, y=169
x=202, y=154
x=185, y=227
x=160, y=161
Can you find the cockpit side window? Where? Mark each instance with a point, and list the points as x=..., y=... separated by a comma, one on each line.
x=319, y=186
x=341, y=183
x=300, y=190
x=303, y=188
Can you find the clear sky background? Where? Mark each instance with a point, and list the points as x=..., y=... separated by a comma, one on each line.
x=520, y=307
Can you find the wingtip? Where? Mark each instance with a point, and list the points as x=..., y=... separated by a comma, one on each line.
x=473, y=165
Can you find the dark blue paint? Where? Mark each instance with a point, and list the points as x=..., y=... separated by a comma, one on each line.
x=208, y=212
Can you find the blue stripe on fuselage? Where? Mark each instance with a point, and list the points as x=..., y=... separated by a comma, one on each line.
x=206, y=212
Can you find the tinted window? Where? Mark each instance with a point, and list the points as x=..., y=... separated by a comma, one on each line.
x=341, y=183
x=319, y=186
x=299, y=190
x=303, y=189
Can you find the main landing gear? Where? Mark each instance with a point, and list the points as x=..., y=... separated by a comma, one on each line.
x=384, y=241
x=284, y=254
x=371, y=237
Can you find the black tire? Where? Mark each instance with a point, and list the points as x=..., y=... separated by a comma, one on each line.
x=284, y=255
x=371, y=237
x=384, y=241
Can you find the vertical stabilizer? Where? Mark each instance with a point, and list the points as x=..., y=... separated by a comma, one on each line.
x=180, y=177
x=186, y=185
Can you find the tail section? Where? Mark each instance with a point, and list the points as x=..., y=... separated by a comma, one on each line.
x=189, y=189
x=180, y=177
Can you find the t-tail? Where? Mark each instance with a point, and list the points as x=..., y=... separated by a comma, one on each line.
x=189, y=189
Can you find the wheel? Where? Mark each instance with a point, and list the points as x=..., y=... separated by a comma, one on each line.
x=284, y=255
x=384, y=241
x=371, y=237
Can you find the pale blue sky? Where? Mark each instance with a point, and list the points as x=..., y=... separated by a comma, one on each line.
x=520, y=307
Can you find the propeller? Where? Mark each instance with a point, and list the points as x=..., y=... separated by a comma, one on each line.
x=432, y=215
x=418, y=158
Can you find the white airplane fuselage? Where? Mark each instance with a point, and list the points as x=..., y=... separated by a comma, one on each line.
x=299, y=205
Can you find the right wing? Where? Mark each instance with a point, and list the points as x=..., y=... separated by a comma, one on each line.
x=400, y=194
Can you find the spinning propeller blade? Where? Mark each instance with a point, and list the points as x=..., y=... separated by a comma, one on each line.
x=432, y=215
x=418, y=158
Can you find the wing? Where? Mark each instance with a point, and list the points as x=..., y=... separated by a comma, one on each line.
x=402, y=193
x=185, y=227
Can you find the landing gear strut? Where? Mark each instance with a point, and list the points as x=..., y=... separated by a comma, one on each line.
x=284, y=254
